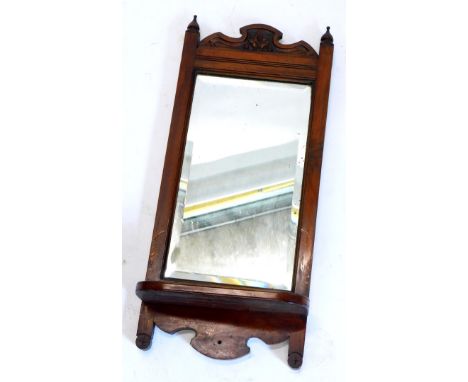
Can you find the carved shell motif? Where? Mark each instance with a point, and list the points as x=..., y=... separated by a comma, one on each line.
x=258, y=39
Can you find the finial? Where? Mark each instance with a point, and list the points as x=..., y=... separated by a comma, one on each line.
x=193, y=26
x=327, y=38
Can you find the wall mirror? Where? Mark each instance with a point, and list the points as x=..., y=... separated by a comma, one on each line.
x=231, y=252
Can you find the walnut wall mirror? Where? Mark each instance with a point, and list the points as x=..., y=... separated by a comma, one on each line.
x=231, y=251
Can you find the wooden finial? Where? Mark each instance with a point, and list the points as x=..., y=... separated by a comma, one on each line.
x=327, y=38
x=193, y=26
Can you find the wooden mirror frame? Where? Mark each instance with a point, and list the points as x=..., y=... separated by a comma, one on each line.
x=223, y=316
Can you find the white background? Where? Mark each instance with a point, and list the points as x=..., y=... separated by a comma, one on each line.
x=61, y=132
x=153, y=46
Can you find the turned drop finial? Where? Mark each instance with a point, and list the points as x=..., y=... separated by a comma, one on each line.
x=143, y=341
x=327, y=38
x=193, y=26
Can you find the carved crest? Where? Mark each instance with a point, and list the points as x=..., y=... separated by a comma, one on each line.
x=260, y=38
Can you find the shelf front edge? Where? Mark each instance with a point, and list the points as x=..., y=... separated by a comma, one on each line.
x=222, y=297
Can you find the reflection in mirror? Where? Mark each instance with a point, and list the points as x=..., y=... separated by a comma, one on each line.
x=238, y=203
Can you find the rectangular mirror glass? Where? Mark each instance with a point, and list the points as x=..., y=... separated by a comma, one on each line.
x=238, y=202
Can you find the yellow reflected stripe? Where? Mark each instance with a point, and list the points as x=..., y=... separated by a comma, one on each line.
x=217, y=203
x=238, y=281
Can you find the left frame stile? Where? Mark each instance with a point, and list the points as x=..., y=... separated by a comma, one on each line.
x=174, y=153
x=170, y=176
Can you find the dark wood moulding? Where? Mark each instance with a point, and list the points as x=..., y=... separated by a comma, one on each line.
x=223, y=316
x=222, y=297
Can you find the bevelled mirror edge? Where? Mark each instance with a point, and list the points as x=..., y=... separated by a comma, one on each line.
x=238, y=202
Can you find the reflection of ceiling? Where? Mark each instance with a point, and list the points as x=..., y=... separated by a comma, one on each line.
x=240, y=173
x=259, y=157
x=238, y=187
